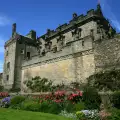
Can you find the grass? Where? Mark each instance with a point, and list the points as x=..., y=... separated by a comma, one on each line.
x=9, y=114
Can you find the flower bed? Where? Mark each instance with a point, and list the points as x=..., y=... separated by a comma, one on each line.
x=3, y=94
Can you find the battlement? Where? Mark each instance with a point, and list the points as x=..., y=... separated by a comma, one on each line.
x=81, y=19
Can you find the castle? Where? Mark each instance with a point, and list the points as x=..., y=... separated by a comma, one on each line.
x=72, y=52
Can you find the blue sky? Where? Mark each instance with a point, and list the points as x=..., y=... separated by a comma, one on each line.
x=40, y=15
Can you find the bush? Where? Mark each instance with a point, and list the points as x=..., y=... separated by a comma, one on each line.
x=91, y=98
x=54, y=108
x=115, y=115
x=69, y=107
x=17, y=100
x=3, y=94
x=68, y=115
x=107, y=80
x=44, y=106
x=80, y=115
x=75, y=97
x=116, y=100
x=38, y=84
x=5, y=102
x=30, y=105
x=91, y=114
x=1, y=88
x=79, y=106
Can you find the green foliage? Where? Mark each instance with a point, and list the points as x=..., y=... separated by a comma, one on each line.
x=54, y=108
x=116, y=99
x=15, y=90
x=69, y=107
x=91, y=98
x=44, y=107
x=108, y=80
x=115, y=115
x=80, y=115
x=1, y=88
x=17, y=100
x=47, y=107
x=79, y=106
x=30, y=105
x=37, y=84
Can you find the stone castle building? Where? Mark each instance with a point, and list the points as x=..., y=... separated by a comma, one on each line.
x=72, y=52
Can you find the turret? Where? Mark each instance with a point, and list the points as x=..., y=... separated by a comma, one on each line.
x=99, y=10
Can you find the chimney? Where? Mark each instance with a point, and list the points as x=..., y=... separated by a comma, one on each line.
x=13, y=29
x=75, y=15
x=33, y=34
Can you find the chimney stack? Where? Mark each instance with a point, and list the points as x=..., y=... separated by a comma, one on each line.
x=13, y=29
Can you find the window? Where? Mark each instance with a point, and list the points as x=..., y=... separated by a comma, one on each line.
x=22, y=51
x=82, y=43
x=91, y=32
x=7, y=53
x=28, y=55
x=98, y=30
x=8, y=65
x=7, y=77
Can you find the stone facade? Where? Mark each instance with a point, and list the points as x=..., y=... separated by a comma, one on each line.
x=72, y=52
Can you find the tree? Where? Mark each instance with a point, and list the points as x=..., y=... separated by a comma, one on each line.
x=38, y=84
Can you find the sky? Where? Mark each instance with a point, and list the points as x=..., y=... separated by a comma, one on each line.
x=40, y=15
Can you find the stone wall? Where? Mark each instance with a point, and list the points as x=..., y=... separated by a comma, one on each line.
x=9, y=57
x=70, y=68
x=75, y=62
x=107, y=54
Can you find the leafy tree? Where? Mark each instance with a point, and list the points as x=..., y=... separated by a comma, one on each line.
x=108, y=80
x=1, y=88
x=38, y=84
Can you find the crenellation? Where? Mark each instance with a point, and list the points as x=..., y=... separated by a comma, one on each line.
x=90, y=12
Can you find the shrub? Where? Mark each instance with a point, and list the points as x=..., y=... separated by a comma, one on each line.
x=44, y=107
x=15, y=90
x=17, y=100
x=5, y=102
x=3, y=94
x=79, y=106
x=30, y=105
x=68, y=115
x=54, y=108
x=107, y=80
x=91, y=114
x=116, y=99
x=75, y=97
x=80, y=115
x=115, y=115
x=69, y=107
x=91, y=98
x=1, y=88
x=38, y=84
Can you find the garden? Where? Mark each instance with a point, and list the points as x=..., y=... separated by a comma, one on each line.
x=99, y=99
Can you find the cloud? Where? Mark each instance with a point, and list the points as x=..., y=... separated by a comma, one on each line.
x=109, y=14
x=4, y=20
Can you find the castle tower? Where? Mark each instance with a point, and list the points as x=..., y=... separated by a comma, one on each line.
x=12, y=60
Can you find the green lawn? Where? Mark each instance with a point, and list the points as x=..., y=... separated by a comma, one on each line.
x=9, y=114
